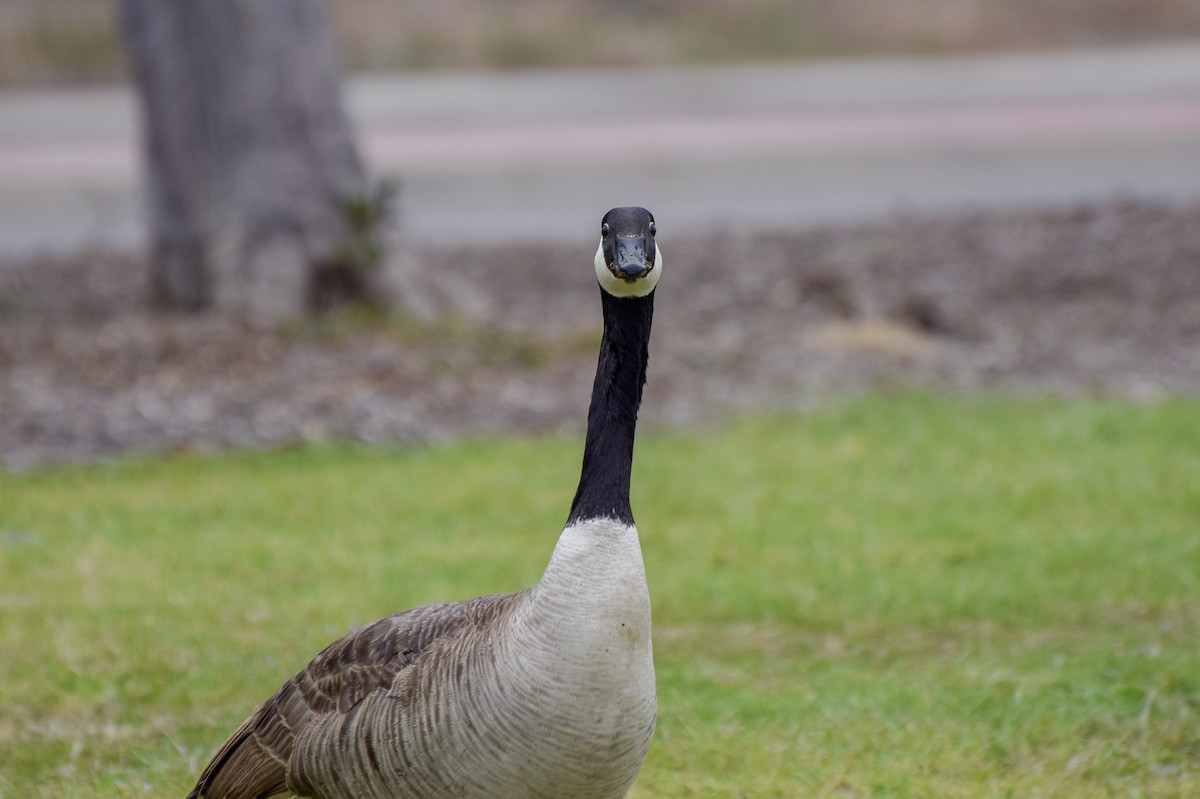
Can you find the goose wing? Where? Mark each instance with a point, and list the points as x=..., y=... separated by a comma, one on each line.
x=252, y=764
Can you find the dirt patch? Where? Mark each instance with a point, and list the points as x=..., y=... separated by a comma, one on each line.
x=1095, y=299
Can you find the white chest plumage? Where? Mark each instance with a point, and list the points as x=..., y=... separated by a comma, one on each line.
x=595, y=577
x=582, y=646
x=589, y=616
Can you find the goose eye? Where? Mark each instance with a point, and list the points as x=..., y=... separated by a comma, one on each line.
x=604, y=230
x=652, y=230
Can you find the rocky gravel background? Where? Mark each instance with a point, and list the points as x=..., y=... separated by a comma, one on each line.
x=1099, y=299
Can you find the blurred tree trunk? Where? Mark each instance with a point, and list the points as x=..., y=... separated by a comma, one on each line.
x=254, y=186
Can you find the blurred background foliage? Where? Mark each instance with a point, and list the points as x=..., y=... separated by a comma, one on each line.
x=54, y=42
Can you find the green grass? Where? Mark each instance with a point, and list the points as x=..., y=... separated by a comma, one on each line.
x=902, y=596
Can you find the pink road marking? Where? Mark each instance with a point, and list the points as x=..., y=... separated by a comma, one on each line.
x=76, y=161
x=597, y=142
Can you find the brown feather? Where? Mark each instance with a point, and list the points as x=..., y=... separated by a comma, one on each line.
x=252, y=764
x=241, y=768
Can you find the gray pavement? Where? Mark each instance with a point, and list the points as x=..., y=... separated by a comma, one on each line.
x=505, y=155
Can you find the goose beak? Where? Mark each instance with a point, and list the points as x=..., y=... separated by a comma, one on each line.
x=630, y=260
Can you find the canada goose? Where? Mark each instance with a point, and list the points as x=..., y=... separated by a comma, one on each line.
x=547, y=692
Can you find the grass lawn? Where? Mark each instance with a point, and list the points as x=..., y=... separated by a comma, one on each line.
x=902, y=596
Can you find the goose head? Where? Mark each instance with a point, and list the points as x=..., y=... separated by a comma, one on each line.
x=628, y=261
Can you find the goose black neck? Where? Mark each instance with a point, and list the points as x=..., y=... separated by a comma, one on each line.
x=612, y=418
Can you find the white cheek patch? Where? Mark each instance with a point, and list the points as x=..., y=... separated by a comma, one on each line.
x=627, y=288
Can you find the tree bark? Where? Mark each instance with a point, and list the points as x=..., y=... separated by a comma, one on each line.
x=252, y=177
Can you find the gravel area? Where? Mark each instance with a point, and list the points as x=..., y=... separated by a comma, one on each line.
x=1100, y=299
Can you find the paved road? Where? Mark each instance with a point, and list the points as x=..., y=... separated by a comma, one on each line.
x=508, y=155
